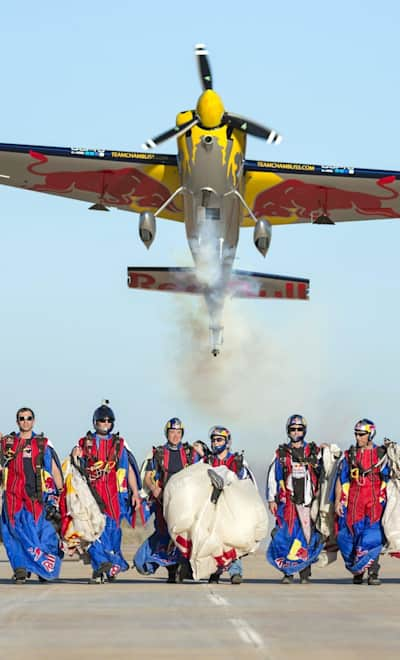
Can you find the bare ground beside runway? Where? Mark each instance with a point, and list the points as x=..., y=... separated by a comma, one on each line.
x=144, y=616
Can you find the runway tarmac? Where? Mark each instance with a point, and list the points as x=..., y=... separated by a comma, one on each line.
x=147, y=618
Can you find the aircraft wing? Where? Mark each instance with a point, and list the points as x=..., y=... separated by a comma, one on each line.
x=288, y=193
x=132, y=181
x=243, y=283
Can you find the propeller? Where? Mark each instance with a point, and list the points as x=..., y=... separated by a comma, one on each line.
x=210, y=113
x=250, y=127
x=176, y=132
x=201, y=53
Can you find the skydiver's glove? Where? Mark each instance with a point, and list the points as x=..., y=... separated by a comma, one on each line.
x=202, y=449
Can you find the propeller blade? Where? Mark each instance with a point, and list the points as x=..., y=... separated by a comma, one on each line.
x=251, y=128
x=176, y=132
x=201, y=53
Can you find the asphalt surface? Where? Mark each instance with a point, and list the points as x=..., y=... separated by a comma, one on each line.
x=147, y=618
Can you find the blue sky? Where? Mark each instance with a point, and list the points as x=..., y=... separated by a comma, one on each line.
x=101, y=76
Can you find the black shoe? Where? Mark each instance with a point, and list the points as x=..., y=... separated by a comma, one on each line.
x=104, y=567
x=305, y=575
x=358, y=579
x=287, y=579
x=214, y=578
x=236, y=579
x=97, y=578
x=172, y=574
x=19, y=576
x=184, y=571
x=373, y=579
x=111, y=578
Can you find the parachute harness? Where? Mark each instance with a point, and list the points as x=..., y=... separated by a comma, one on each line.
x=357, y=472
x=99, y=469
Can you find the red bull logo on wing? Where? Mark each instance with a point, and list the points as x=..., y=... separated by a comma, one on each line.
x=117, y=187
x=307, y=201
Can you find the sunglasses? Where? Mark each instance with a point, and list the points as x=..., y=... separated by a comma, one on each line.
x=25, y=419
x=105, y=420
x=296, y=428
x=360, y=433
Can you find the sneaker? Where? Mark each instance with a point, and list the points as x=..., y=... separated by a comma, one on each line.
x=358, y=579
x=97, y=578
x=373, y=579
x=214, y=578
x=19, y=576
x=236, y=579
x=287, y=579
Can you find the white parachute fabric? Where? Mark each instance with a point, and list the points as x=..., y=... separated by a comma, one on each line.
x=323, y=510
x=211, y=534
x=391, y=515
x=87, y=521
x=145, y=491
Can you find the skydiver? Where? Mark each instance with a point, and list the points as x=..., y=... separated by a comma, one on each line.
x=32, y=482
x=221, y=454
x=292, y=485
x=110, y=471
x=166, y=460
x=360, y=498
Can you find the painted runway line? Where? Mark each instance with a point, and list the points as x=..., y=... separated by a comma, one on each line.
x=216, y=599
x=247, y=634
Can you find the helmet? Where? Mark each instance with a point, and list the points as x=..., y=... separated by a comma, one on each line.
x=174, y=423
x=296, y=419
x=367, y=426
x=104, y=411
x=222, y=432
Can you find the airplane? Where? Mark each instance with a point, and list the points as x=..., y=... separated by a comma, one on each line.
x=211, y=187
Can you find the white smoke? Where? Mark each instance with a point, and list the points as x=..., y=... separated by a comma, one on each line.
x=265, y=371
x=260, y=378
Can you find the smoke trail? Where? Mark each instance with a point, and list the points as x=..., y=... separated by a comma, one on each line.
x=262, y=374
x=252, y=374
x=261, y=377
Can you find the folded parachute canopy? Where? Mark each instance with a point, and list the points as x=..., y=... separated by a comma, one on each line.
x=212, y=534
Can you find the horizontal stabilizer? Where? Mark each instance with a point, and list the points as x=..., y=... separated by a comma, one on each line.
x=243, y=284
